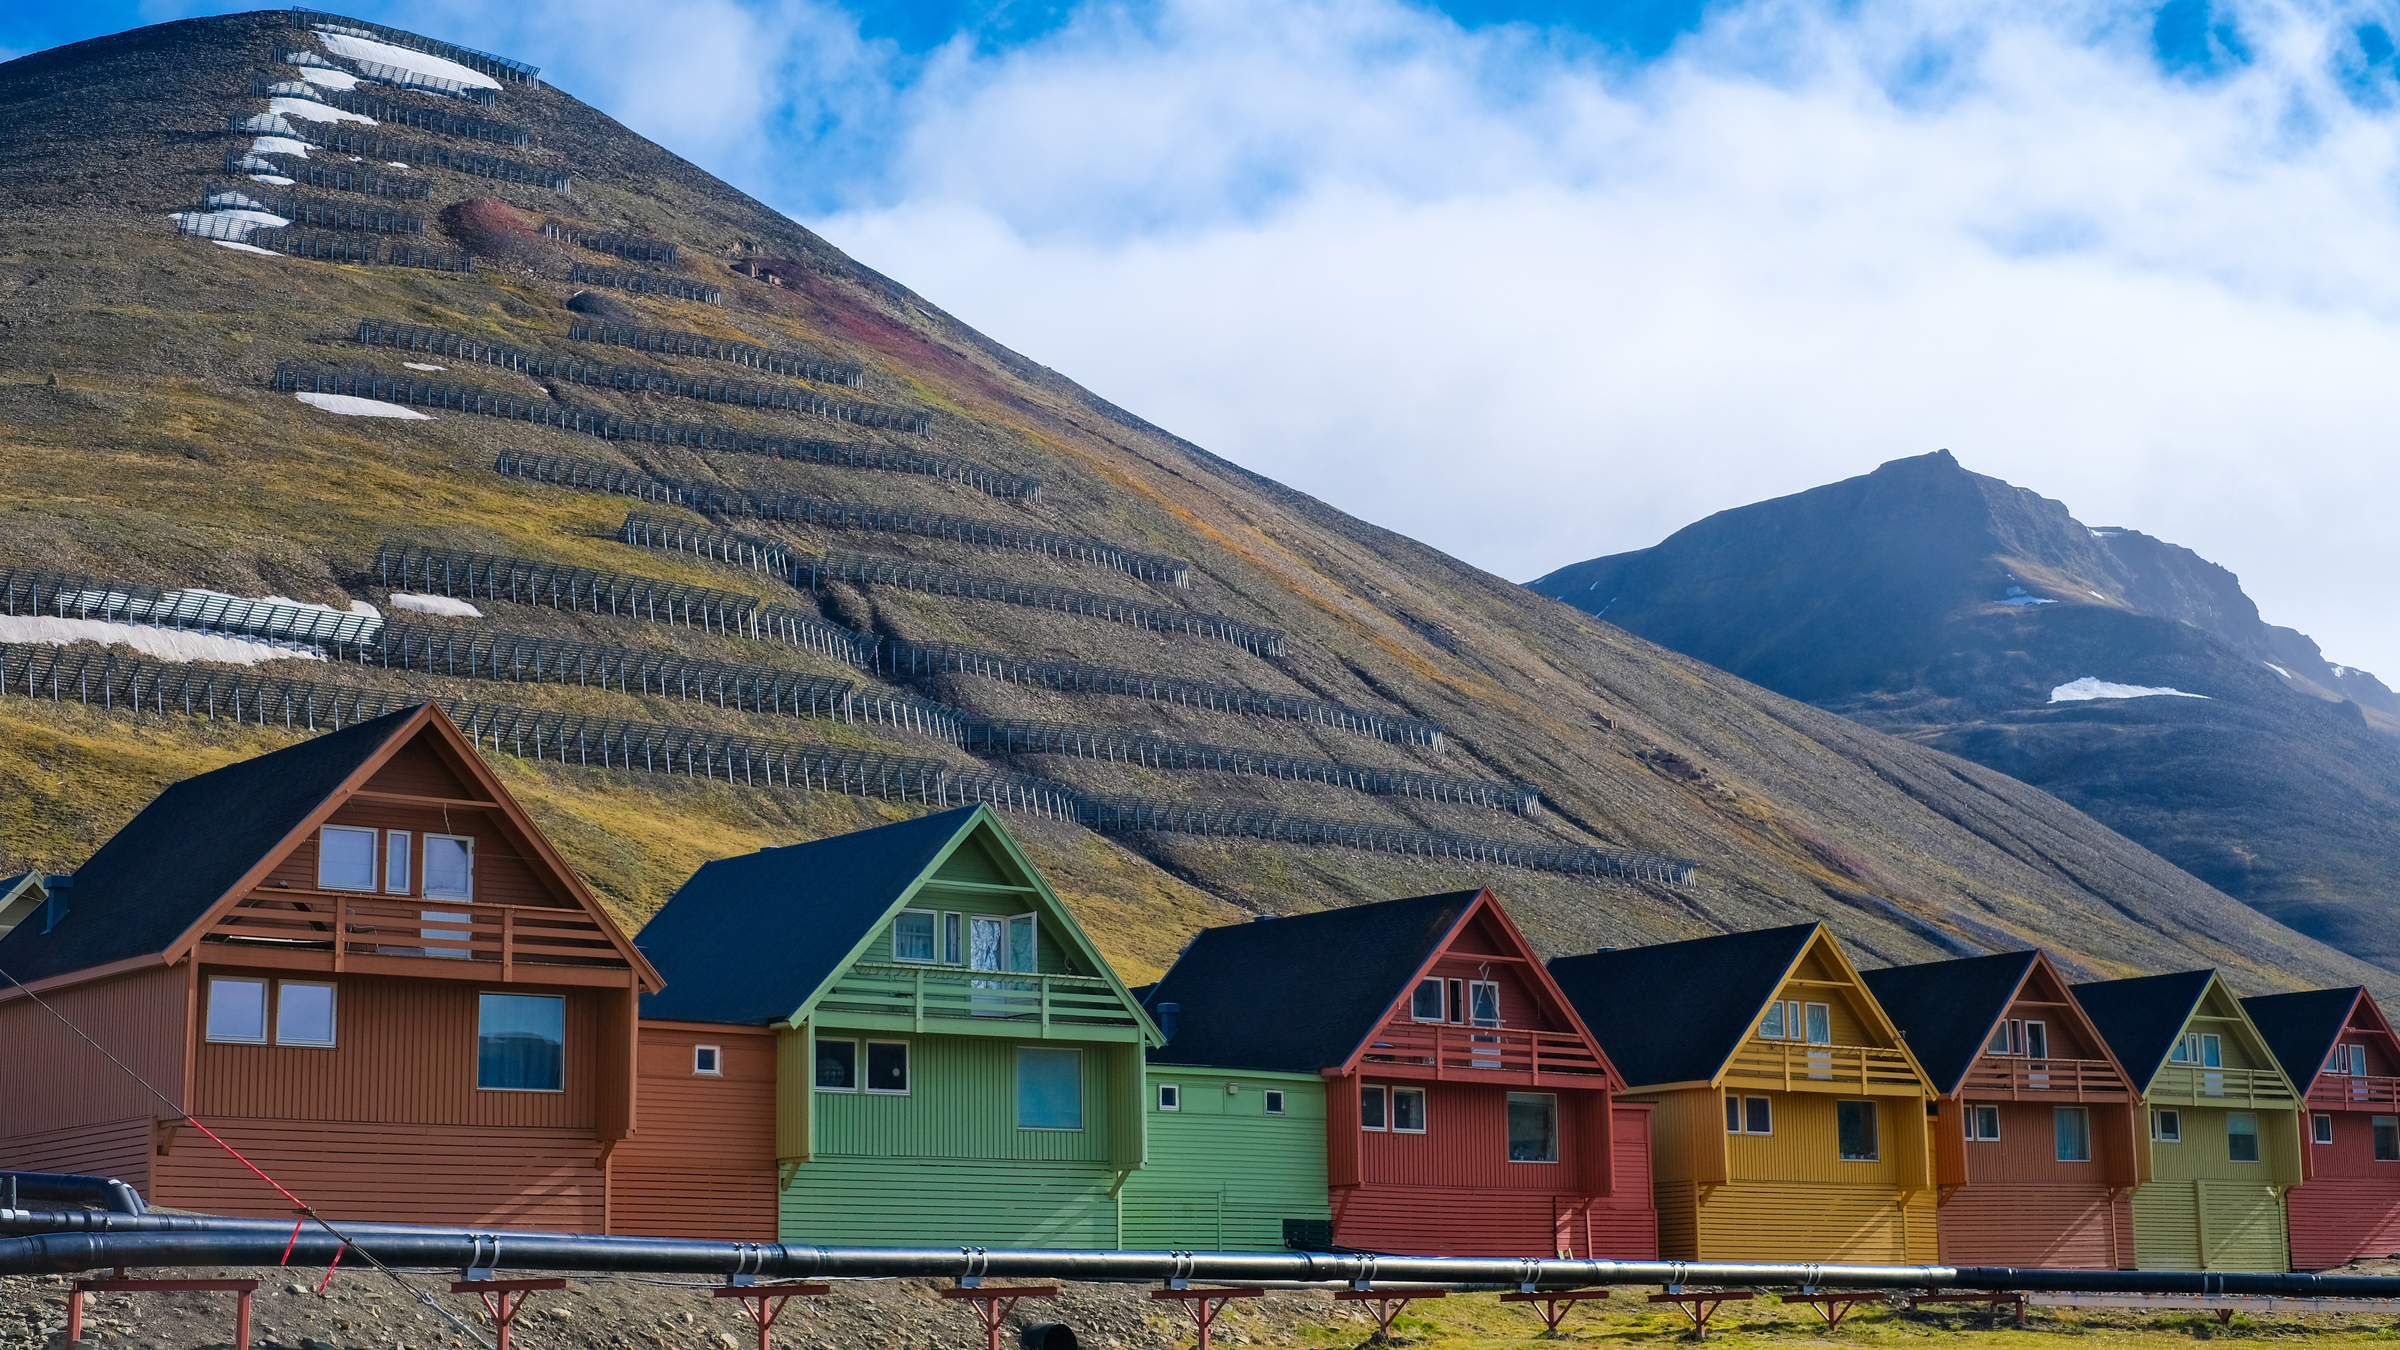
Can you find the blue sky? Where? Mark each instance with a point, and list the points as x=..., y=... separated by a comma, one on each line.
x=1535, y=281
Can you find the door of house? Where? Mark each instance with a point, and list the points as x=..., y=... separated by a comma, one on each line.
x=1004, y=944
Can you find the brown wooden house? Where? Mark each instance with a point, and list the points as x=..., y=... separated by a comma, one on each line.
x=358, y=961
x=2036, y=1148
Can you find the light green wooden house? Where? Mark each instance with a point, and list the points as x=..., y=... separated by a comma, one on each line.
x=2223, y=1143
x=952, y=1062
x=1237, y=1163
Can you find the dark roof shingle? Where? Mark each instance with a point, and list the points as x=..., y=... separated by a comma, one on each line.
x=1674, y=1012
x=2140, y=1018
x=2301, y=1028
x=1945, y=1009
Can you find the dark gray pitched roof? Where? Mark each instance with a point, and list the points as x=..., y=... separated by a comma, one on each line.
x=2140, y=1018
x=1298, y=994
x=1674, y=1012
x=2301, y=1028
x=1946, y=1008
x=748, y=939
x=153, y=879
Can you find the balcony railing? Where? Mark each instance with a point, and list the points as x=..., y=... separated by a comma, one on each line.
x=1797, y=1067
x=2202, y=1086
x=2336, y=1091
x=443, y=930
x=2015, y=1077
x=1068, y=1005
x=1439, y=1051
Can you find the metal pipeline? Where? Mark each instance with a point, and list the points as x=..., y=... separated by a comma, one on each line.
x=20, y=1190
x=63, y=1243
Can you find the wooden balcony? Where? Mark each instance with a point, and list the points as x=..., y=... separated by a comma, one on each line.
x=1441, y=1051
x=1856, y=1070
x=2353, y=1092
x=2192, y=1085
x=337, y=931
x=2014, y=1078
x=891, y=996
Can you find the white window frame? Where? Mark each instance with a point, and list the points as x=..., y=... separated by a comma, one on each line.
x=406, y=859
x=866, y=1061
x=1170, y=1096
x=2320, y=1126
x=1383, y=1094
x=933, y=935
x=1441, y=1000
x=374, y=857
x=1975, y=1118
x=1424, y=1110
x=426, y=880
x=266, y=1012
x=1274, y=1101
x=2160, y=1121
x=1805, y=1029
x=716, y=1061
x=1475, y=987
x=1998, y=1042
x=2037, y=1031
x=858, y=1067
x=1737, y=1108
x=333, y=1014
x=1774, y=1022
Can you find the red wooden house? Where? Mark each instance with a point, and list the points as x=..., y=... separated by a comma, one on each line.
x=2036, y=1150
x=358, y=961
x=1469, y=1111
x=2339, y=1050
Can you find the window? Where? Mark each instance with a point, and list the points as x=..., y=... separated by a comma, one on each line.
x=1408, y=1110
x=395, y=862
x=345, y=859
x=1024, y=947
x=1749, y=1115
x=2205, y=1050
x=2037, y=1041
x=1458, y=1000
x=1820, y=1023
x=303, y=1013
x=1983, y=1123
x=2166, y=1126
x=1274, y=1101
x=837, y=1066
x=1532, y=1127
x=1855, y=1126
x=912, y=935
x=1483, y=1002
x=2241, y=1136
x=1049, y=1088
x=887, y=1066
x=1370, y=1109
x=521, y=1042
x=2072, y=1127
x=1999, y=1043
x=449, y=867
x=237, y=1010
x=1170, y=1097
x=709, y=1060
x=2387, y=1138
x=2322, y=1128
x=1426, y=1004
x=1771, y=1026
x=954, y=948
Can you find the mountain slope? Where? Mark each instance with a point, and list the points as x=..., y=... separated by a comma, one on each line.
x=141, y=423
x=1947, y=607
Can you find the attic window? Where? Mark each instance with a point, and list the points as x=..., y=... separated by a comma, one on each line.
x=345, y=859
x=449, y=867
x=2204, y=1049
x=1426, y=1004
x=1483, y=1002
x=912, y=936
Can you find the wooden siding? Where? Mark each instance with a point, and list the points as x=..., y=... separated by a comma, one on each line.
x=2204, y=1224
x=1194, y=1195
x=1795, y=1221
x=1805, y=1145
x=944, y=1202
x=1541, y=1213
x=55, y=1080
x=702, y=1162
x=505, y=1177
x=961, y=1103
x=2204, y=1152
x=1465, y=1143
x=406, y=1056
x=2336, y=1222
x=2027, y=1150
x=111, y=1148
x=2053, y=1223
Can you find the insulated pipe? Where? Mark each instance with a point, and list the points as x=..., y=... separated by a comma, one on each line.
x=18, y=1190
x=197, y=1240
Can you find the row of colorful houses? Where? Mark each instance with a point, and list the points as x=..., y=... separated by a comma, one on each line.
x=359, y=961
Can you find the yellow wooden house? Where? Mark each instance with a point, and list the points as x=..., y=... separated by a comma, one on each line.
x=1790, y=1120
x=2222, y=1145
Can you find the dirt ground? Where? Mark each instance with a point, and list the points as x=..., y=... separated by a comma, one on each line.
x=364, y=1310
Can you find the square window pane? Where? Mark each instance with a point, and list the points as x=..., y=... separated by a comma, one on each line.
x=303, y=1014
x=345, y=859
x=237, y=1010
x=1408, y=1110
x=1761, y=1113
x=1426, y=1004
x=887, y=1066
x=449, y=867
x=912, y=936
x=1170, y=1097
x=1049, y=1088
x=521, y=1042
x=1532, y=1127
x=395, y=862
x=706, y=1059
x=1274, y=1102
x=837, y=1065
x=1370, y=1108
x=1855, y=1124
x=2074, y=1131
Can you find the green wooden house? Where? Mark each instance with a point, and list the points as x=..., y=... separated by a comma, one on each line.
x=1237, y=1163
x=2222, y=1145
x=953, y=1063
